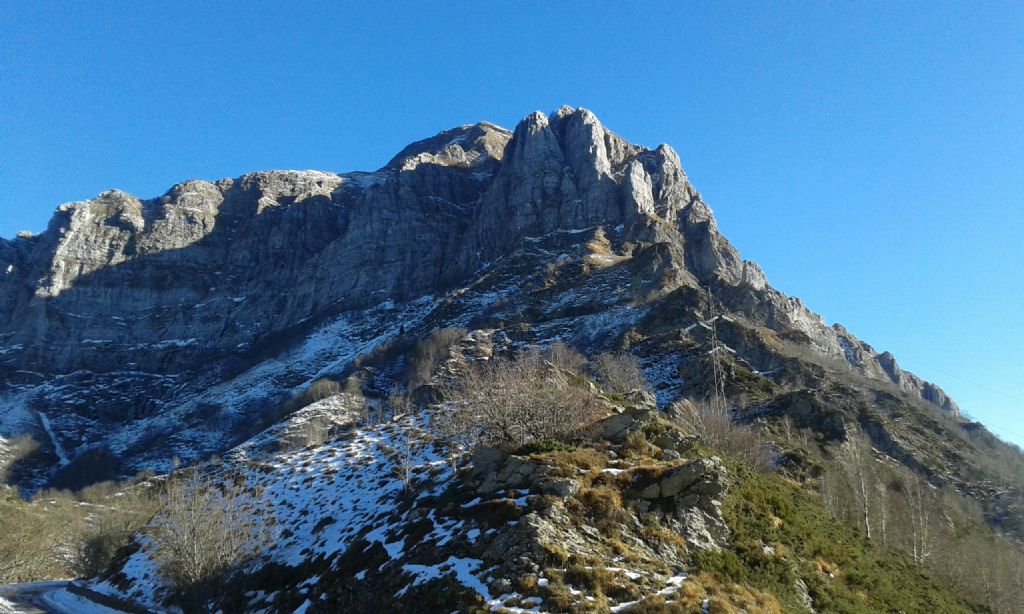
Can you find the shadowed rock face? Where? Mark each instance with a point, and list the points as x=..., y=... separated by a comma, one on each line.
x=181, y=284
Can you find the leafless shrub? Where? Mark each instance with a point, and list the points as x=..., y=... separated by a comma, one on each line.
x=205, y=531
x=383, y=353
x=359, y=403
x=513, y=402
x=429, y=353
x=598, y=243
x=318, y=390
x=566, y=357
x=14, y=450
x=635, y=444
x=353, y=385
x=33, y=536
x=620, y=373
x=59, y=535
x=716, y=427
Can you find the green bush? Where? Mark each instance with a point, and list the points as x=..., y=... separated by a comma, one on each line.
x=543, y=446
x=766, y=510
x=635, y=444
x=724, y=564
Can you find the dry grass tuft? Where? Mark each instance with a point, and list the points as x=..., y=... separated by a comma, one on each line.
x=601, y=502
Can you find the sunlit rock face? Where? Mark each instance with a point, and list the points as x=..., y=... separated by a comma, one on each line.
x=126, y=311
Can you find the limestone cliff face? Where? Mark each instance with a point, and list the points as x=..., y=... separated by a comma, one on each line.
x=179, y=284
x=211, y=267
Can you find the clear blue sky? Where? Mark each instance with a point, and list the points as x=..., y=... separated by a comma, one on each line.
x=869, y=155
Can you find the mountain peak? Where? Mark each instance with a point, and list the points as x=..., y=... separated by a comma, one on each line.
x=156, y=298
x=467, y=145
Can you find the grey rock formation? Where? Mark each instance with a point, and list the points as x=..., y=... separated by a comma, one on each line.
x=704, y=476
x=615, y=428
x=563, y=488
x=689, y=496
x=511, y=473
x=124, y=308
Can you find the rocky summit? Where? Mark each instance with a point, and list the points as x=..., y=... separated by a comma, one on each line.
x=223, y=318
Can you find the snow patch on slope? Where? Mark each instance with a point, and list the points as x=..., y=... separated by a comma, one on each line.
x=57, y=448
x=328, y=497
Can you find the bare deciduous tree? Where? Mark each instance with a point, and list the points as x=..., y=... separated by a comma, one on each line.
x=919, y=507
x=513, y=402
x=882, y=509
x=566, y=357
x=206, y=530
x=407, y=445
x=832, y=493
x=620, y=373
x=855, y=455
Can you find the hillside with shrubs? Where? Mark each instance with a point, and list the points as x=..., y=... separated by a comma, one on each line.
x=537, y=480
x=510, y=371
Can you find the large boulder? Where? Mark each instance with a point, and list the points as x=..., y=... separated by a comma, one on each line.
x=615, y=427
x=704, y=476
x=494, y=471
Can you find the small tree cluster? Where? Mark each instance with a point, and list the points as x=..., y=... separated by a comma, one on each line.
x=892, y=506
x=60, y=534
x=938, y=529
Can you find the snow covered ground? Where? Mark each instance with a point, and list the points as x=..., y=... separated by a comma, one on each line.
x=328, y=349
x=327, y=497
x=47, y=597
x=351, y=492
